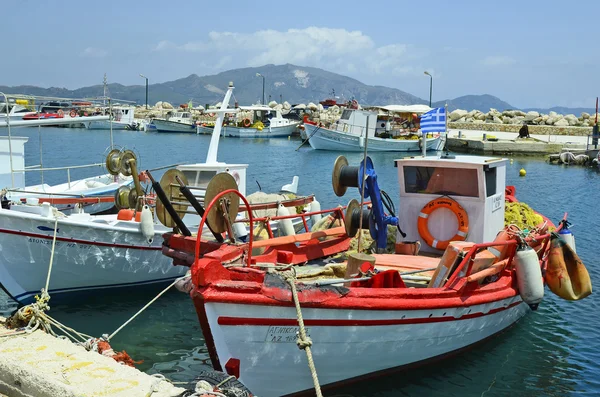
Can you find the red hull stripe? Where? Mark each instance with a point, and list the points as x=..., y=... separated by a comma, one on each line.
x=74, y=240
x=233, y=321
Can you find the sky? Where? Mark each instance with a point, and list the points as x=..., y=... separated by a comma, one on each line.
x=528, y=53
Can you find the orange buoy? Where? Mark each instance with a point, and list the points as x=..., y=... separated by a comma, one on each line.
x=246, y=122
x=566, y=274
x=125, y=215
x=461, y=217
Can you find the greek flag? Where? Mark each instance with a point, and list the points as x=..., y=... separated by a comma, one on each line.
x=434, y=120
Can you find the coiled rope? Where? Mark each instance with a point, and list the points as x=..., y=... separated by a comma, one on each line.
x=303, y=341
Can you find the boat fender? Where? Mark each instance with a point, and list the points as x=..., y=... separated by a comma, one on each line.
x=239, y=231
x=285, y=226
x=147, y=224
x=529, y=276
x=566, y=274
x=500, y=251
x=315, y=206
x=568, y=236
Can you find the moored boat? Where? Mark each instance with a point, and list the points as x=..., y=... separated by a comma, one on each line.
x=178, y=122
x=349, y=133
x=472, y=278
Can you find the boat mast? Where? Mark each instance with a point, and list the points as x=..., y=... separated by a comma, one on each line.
x=213, y=148
x=105, y=91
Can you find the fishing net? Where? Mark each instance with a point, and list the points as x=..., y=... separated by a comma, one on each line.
x=521, y=215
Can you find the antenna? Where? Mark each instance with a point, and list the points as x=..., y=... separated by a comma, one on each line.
x=105, y=90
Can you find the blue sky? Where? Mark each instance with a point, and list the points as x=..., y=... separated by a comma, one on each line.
x=528, y=53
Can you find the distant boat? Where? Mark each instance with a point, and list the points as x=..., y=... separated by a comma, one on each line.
x=122, y=118
x=178, y=122
x=267, y=123
x=348, y=135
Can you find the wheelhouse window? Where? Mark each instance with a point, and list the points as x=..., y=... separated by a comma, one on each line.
x=441, y=180
x=490, y=182
x=346, y=114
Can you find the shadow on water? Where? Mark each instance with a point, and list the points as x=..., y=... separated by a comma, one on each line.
x=552, y=352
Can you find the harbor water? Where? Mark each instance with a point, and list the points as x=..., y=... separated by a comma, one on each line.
x=554, y=351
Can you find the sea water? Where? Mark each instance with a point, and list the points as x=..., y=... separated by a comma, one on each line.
x=554, y=351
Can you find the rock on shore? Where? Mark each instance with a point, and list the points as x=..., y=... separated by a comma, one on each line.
x=519, y=117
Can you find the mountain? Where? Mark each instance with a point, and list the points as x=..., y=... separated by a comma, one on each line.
x=475, y=102
x=295, y=84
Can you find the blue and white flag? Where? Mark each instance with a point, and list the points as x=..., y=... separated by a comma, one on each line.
x=434, y=120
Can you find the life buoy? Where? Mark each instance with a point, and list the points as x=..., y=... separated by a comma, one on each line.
x=246, y=122
x=73, y=113
x=60, y=112
x=461, y=217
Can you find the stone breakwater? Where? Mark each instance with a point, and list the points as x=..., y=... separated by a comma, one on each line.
x=533, y=129
x=519, y=117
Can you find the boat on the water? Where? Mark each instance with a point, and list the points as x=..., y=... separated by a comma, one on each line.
x=348, y=134
x=178, y=122
x=121, y=118
x=265, y=122
x=459, y=276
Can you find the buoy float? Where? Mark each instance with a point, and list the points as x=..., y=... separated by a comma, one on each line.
x=315, y=206
x=147, y=224
x=529, y=276
x=522, y=172
x=568, y=236
x=285, y=226
x=566, y=274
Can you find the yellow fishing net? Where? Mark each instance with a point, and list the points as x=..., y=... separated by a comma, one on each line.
x=521, y=215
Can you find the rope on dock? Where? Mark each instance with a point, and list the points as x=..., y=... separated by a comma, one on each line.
x=303, y=341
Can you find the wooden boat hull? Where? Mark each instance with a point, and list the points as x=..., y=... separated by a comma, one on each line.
x=325, y=139
x=348, y=344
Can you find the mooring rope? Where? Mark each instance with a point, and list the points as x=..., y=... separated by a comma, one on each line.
x=303, y=341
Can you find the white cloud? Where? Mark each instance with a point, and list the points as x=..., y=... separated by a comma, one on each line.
x=336, y=49
x=92, y=52
x=498, y=60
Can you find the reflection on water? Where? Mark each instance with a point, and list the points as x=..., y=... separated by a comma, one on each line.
x=552, y=352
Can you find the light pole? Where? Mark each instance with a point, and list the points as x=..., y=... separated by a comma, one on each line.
x=263, y=94
x=430, y=85
x=144, y=77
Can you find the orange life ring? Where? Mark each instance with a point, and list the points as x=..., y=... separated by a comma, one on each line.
x=246, y=122
x=60, y=112
x=461, y=217
x=73, y=113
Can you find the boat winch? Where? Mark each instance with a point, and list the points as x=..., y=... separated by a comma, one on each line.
x=375, y=220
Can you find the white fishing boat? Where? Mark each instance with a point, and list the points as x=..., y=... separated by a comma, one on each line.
x=101, y=252
x=178, y=122
x=121, y=118
x=348, y=135
x=264, y=123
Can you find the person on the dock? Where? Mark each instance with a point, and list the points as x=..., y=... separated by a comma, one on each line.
x=524, y=131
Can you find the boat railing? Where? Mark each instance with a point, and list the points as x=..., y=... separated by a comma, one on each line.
x=41, y=169
x=469, y=259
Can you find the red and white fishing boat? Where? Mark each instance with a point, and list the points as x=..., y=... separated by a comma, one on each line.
x=471, y=279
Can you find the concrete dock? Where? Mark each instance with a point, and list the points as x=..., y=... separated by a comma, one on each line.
x=472, y=141
x=41, y=365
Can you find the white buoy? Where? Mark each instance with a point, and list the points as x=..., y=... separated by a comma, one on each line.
x=568, y=236
x=315, y=206
x=147, y=224
x=285, y=226
x=529, y=276
x=239, y=231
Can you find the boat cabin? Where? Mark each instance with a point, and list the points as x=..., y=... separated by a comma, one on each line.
x=354, y=121
x=476, y=183
x=181, y=117
x=267, y=115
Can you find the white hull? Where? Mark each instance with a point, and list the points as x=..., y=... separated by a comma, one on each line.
x=173, y=126
x=272, y=365
x=105, y=125
x=267, y=132
x=325, y=139
x=89, y=255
